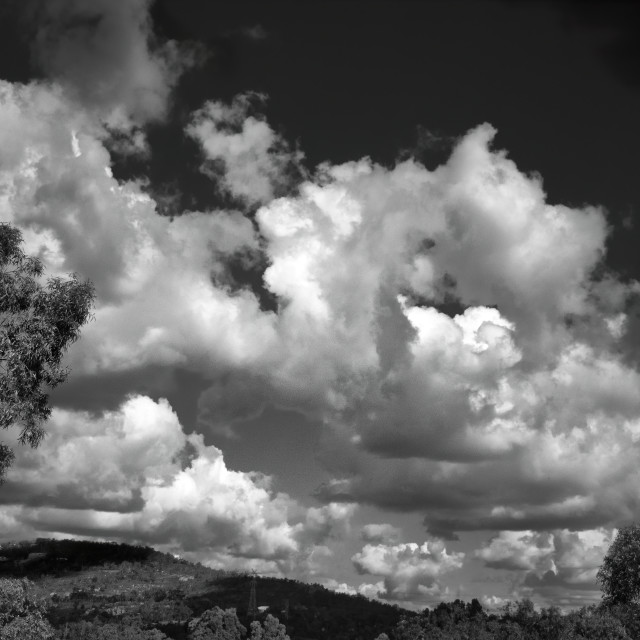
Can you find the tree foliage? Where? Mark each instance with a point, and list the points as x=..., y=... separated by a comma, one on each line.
x=271, y=629
x=217, y=624
x=619, y=575
x=21, y=616
x=38, y=322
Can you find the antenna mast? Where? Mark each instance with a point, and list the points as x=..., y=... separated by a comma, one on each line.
x=252, y=610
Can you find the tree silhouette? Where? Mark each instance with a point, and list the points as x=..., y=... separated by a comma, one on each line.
x=37, y=324
x=619, y=574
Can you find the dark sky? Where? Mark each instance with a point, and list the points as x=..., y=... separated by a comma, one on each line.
x=559, y=81
x=390, y=361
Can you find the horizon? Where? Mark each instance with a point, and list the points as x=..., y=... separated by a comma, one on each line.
x=367, y=289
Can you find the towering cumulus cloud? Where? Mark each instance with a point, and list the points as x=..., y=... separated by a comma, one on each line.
x=456, y=336
x=511, y=396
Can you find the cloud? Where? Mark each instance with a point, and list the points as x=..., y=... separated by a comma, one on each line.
x=242, y=152
x=409, y=571
x=512, y=395
x=519, y=551
x=106, y=57
x=339, y=587
x=493, y=603
x=432, y=410
x=155, y=278
x=381, y=534
x=558, y=566
x=133, y=475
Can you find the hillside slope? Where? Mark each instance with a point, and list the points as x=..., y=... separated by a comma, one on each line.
x=104, y=583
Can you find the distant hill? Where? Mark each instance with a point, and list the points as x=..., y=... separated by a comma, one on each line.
x=102, y=582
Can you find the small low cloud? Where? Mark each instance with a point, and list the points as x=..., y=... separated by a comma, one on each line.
x=256, y=32
x=381, y=534
x=409, y=571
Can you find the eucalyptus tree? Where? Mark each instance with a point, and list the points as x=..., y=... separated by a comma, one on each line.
x=39, y=320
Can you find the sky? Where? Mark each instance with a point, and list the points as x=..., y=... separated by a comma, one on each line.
x=367, y=303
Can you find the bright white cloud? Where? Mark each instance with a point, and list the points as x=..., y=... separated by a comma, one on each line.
x=513, y=397
x=339, y=587
x=522, y=395
x=426, y=411
x=493, y=603
x=508, y=383
x=157, y=303
x=250, y=161
x=133, y=474
x=409, y=571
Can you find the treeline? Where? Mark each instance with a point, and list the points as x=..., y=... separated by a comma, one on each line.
x=23, y=616
x=88, y=589
x=521, y=621
x=309, y=610
x=105, y=591
x=51, y=556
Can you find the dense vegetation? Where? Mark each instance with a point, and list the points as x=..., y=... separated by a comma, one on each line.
x=107, y=590
x=75, y=590
x=38, y=323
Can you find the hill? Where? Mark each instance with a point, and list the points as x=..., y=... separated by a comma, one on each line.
x=102, y=583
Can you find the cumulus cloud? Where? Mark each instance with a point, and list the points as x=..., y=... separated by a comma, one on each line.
x=556, y=566
x=157, y=301
x=520, y=551
x=493, y=603
x=512, y=397
x=339, y=587
x=482, y=418
x=106, y=56
x=409, y=571
x=242, y=152
x=133, y=474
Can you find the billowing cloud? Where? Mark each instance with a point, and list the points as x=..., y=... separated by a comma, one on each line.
x=520, y=551
x=157, y=301
x=133, y=474
x=511, y=396
x=409, y=571
x=558, y=566
x=453, y=331
x=106, y=57
x=242, y=153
